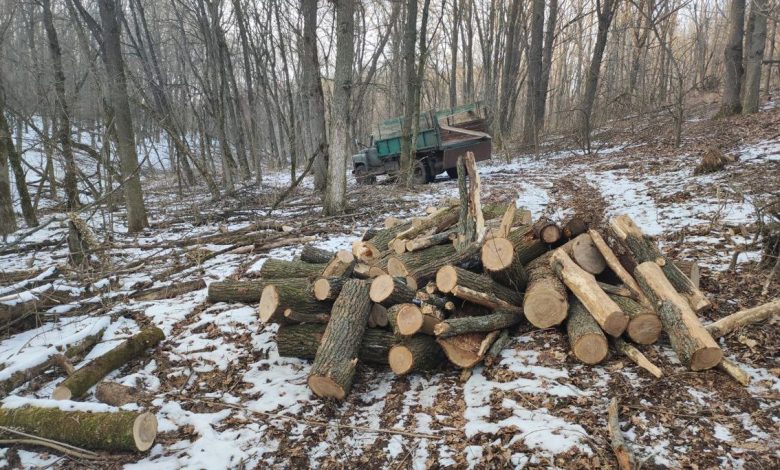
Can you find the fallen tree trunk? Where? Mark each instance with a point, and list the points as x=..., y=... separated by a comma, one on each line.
x=122, y=431
x=644, y=326
x=644, y=249
x=742, y=318
x=417, y=353
x=462, y=325
x=544, y=304
x=168, y=292
x=302, y=341
x=77, y=350
x=449, y=277
x=388, y=290
x=690, y=340
x=281, y=269
x=606, y=312
x=293, y=294
x=237, y=291
x=83, y=379
x=586, y=339
x=310, y=254
x=334, y=366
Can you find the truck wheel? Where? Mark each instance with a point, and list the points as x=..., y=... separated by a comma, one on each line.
x=452, y=173
x=362, y=177
x=420, y=175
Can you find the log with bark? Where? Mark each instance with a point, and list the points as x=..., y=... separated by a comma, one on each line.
x=545, y=302
x=420, y=243
x=84, y=378
x=617, y=267
x=121, y=431
x=742, y=318
x=625, y=457
x=546, y=230
x=289, y=294
x=439, y=221
x=328, y=288
x=114, y=394
x=575, y=226
x=606, y=312
x=334, y=366
x=499, y=253
x=449, y=277
x=311, y=254
x=644, y=326
x=462, y=325
x=378, y=315
x=302, y=341
x=586, y=339
x=494, y=352
x=644, y=249
x=168, y=292
x=690, y=340
x=237, y=291
x=417, y=353
x=636, y=355
x=281, y=269
x=422, y=265
x=340, y=266
x=467, y=350
x=388, y=290
x=408, y=319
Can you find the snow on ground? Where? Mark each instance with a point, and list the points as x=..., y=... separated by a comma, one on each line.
x=224, y=397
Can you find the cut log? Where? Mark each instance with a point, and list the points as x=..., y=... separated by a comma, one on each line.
x=366, y=271
x=644, y=326
x=122, y=431
x=293, y=316
x=471, y=220
x=546, y=230
x=606, y=312
x=574, y=227
x=168, y=292
x=735, y=371
x=366, y=252
x=507, y=220
x=237, y=291
x=625, y=457
x=83, y=379
x=742, y=318
x=584, y=252
x=391, y=222
x=493, y=354
x=513, y=276
x=379, y=315
x=468, y=350
x=334, y=366
x=76, y=350
x=620, y=291
x=644, y=249
x=519, y=246
x=420, y=243
x=398, y=246
x=383, y=238
x=417, y=353
x=328, y=288
x=449, y=277
x=340, y=266
x=388, y=290
x=462, y=325
x=293, y=294
x=617, y=267
x=586, y=339
x=422, y=265
x=410, y=320
x=636, y=355
x=544, y=304
x=114, y=394
x=302, y=341
x=438, y=221
x=484, y=299
x=310, y=254
x=281, y=269
x=690, y=340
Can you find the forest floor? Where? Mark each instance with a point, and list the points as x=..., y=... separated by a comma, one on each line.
x=225, y=399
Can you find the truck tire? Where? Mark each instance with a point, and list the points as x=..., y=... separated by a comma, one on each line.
x=420, y=172
x=452, y=173
x=362, y=177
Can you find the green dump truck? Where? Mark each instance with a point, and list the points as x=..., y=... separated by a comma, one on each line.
x=443, y=136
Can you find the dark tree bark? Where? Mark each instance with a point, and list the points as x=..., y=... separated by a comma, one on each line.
x=730, y=103
x=315, y=103
x=533, y=96
x=755, y=57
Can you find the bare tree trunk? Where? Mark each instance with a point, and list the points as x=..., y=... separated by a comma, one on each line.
x=771, y=56
x=409, y=47
x=314, y=102
x=63, y=128
x=123, y=122
x=549, y=39
x=335, y=192
x=605, y=11
x=533, y=95
x=732, y=61
x=755, y=57
x=456, y=15
x=7, y=216
x=15, y=159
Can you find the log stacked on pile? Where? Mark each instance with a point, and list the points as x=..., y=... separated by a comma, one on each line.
x=452, y=286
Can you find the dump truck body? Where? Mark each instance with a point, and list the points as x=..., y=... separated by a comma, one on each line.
x=442, y=137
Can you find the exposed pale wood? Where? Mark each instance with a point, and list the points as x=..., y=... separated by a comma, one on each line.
x=625, y=457
x=389, y=290
x=421, y=243
x=547, y=231
x=294, y=294
x=483, y=298
x=114, y=394
x=742, y=318
x=411, y=320
x=617, y=267
x=463, y=350
x=341, y=265
x=391, y=222
x=328, y=288
x=398, y=246
x=449, y=278
x=622, y=291
x=417, y=353
x=644, y=326
x=507, y=220
x=636, y=355
x=644, y=249
x=606, y=312
x=735, y=371
x=690, y=340
x=584, y=252
x=545, y=302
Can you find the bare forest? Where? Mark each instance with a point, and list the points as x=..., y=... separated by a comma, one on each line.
x=389, y=234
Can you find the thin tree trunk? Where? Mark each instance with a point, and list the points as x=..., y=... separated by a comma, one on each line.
x=315, y=103
x=456, y=15
x=410, y=75
x=732, y=61
x=15, y=159
x=755, y=57
x=533, y=95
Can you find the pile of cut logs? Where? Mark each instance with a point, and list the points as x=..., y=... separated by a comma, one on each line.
x=451, y=286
